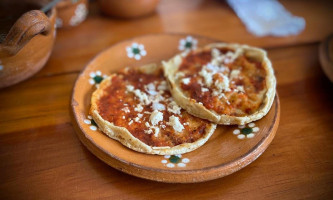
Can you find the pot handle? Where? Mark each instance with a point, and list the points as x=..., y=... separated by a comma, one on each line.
x=25, y=28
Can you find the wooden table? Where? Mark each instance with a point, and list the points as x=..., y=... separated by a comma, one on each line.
x=42, y=158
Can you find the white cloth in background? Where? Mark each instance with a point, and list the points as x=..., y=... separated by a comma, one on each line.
x=267, y=17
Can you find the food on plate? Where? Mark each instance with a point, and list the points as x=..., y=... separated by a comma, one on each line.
x=223, y=83
x=136, y=108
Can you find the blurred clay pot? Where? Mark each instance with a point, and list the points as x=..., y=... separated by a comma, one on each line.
x=26, y=39
x=128, y=8
x=71, y=13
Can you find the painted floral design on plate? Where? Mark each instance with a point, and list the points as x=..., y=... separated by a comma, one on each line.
x=188, y=43
x=136, y=51
x=172, y=161
x=246, y=131
x=92, y=124
x=96, y=78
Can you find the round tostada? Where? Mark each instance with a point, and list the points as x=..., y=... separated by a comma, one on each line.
x=223, y=83
x=136, y=108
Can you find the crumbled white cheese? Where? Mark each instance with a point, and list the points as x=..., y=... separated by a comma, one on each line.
x=157, y=106
x=158, y=97
x=175, y=123
x=123, y=117
x=222, y=95
x=215, y=93
x=126, y=109
x=162, y=86
x=215, y=53
x=213, y=68
x=217, y=61
x=137, y=119
x=156, y=117
x=130, y=122
x=152, y=92
x=151, y=86
x=130, y=88
x=157, y=130
x=204, y=89
x=149, y=131
x=207, y=76
x=217, y=58
x=199, y=81
x=142, y=96
x=138, y=108
x=150, y=127
x=240, y=88
x=140, y=115
x=232, y=56
x=234, y=74
x=174, y=108
x=216, y=67
x=186, y=81
x=224, y=85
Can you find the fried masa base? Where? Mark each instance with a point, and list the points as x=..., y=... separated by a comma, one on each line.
x=170, y=68
x=122, y=135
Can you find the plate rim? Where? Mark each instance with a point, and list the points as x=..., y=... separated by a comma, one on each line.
x=245, y=159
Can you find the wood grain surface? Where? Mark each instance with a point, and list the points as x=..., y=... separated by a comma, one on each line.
x=42, y=158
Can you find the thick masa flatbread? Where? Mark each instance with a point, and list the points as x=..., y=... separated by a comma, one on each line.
x=223, y=83
x=136, y=108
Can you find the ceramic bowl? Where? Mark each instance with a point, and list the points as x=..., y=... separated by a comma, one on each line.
x=27, y=39
x=71, y=13
x=128, y=8
x=326, y=56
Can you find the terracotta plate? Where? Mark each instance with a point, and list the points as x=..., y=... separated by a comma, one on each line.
x=228, y=150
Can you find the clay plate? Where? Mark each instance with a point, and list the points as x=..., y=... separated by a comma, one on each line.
x=229, y=149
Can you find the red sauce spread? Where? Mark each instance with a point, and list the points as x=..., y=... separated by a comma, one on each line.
x=117, y=105
x=246, y=90
x=193, y=61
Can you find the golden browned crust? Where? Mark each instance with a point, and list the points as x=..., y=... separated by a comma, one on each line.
x=190, y=105
x=122, y=135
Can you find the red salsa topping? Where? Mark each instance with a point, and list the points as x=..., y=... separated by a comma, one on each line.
x=246, y=90
x=117, y=105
